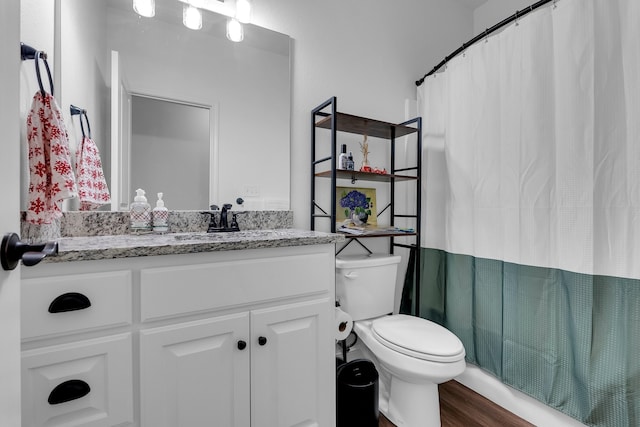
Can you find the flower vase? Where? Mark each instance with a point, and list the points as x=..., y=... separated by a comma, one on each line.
x=359, y=218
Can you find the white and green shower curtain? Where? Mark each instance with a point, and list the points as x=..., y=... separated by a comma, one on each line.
x=531, y=206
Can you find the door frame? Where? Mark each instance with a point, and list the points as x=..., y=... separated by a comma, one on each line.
x=10, y=392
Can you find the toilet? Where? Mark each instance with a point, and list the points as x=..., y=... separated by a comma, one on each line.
x=412, y=355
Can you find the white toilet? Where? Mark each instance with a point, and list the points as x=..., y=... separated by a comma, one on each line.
x=412, y=355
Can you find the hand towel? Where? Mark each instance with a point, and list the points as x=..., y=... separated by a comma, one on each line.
x=92, y=187
x=51, y=176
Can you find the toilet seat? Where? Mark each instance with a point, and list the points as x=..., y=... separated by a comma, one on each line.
x=417, y=337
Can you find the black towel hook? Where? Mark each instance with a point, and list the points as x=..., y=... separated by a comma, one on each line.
x=75, y=111
x=28, y=52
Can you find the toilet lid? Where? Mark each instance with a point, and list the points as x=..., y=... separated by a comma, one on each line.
x=418, y=338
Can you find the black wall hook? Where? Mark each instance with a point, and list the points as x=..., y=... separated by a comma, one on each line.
x=28, y=52
x=75, y=111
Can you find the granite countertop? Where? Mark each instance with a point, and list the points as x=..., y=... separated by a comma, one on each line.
x=131, y=245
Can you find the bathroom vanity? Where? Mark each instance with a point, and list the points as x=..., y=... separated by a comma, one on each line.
x=181, y=330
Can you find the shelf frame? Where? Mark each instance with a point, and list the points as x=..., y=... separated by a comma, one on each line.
x=326, y=116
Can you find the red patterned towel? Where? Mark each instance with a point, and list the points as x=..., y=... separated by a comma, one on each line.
x=92, y=187
x=51, y=177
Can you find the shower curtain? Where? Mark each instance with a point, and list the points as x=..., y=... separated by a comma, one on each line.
x=531, y=206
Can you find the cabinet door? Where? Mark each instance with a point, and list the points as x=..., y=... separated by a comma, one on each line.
x=292, y=366
x=86, y=383
x=195, y=373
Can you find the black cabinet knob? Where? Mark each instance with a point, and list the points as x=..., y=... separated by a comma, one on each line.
x=262, y=340
x=242, y=345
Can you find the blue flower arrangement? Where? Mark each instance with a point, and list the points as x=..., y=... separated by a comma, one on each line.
x=356, y=202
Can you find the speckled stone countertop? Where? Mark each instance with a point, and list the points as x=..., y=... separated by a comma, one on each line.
x=130, y=245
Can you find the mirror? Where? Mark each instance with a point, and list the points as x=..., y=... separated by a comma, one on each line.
x=245, y=87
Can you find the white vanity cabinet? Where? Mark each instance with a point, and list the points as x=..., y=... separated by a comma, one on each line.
x=232, y=338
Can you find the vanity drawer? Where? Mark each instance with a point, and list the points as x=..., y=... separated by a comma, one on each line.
x=67, y=304
x=174, y=291
x=86, y=383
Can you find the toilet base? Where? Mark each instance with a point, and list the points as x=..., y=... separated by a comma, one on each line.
x=413, y=405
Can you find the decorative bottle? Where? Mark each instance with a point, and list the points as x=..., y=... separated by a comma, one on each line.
x=350, y=163
x=160, y=216
x=140, y=213
x=343, y=159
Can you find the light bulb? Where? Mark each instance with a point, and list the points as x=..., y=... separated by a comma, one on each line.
x=146, y=8
x=235, y=33
x=191, y=17
x=243, y=11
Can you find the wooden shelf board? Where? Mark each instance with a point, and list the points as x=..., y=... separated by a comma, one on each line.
x=365, y=176
x=364, y=126
x=375, y=234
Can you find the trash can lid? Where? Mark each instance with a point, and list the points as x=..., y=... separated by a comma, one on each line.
x=358, y=373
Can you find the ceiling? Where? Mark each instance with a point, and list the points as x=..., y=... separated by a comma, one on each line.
x=471, y=3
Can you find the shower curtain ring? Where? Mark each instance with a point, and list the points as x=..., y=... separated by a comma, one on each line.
x=486, y=35
x=517, y=23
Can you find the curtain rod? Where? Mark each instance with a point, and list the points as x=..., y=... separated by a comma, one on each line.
x=519, y=14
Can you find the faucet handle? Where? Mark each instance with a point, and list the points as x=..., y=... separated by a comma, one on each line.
x=212, y=219
x=234, y=221
x=214, y=207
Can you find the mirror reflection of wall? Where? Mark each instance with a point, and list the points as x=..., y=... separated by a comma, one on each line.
x=170, y=150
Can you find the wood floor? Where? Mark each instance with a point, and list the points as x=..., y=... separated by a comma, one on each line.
x=463, y=407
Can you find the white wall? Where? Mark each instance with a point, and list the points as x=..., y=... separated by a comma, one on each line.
x=84, y=82
x=494, y=11
x=36, y=30
x=368, y=54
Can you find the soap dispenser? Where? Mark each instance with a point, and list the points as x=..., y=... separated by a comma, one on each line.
x=140, y=213
x=160, y=216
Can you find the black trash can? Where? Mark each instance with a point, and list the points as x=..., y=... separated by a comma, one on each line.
x=357, y=394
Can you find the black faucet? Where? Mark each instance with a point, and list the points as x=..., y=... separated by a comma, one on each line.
x=224, y=223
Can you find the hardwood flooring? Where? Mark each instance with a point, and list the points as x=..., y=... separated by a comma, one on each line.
x=463, y=407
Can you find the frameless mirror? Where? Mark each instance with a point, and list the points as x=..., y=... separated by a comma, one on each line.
x=245, y=87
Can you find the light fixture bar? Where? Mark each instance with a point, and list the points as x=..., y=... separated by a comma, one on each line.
x=243, y=11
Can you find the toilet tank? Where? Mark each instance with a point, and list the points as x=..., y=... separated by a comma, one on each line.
x=366, y=284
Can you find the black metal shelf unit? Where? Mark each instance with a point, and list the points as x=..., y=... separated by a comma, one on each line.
x=326, y=117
